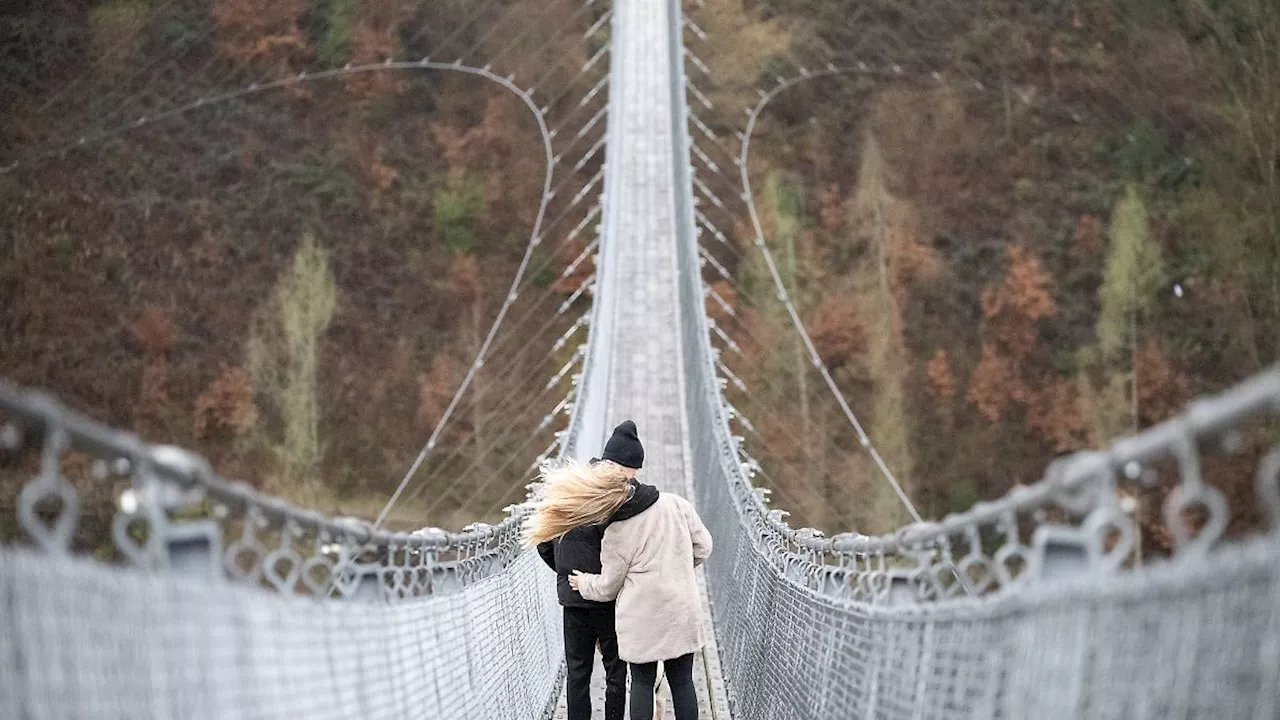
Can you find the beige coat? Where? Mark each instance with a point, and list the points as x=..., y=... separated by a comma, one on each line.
x=647, y=562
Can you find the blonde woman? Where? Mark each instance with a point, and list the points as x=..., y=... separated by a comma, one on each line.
x=651, y=544
x=587, y=624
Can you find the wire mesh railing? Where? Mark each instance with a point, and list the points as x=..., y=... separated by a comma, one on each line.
x=405, y=623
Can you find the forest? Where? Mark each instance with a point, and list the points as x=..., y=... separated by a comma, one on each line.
x=294, y=282
x=1014, y=229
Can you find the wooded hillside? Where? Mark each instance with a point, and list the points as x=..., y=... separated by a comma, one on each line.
x=295, y=281
x=1015, y=229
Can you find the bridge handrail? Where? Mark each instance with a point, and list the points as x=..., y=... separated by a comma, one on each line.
x=1072, y=474
x=196, y=523
x=188, y=470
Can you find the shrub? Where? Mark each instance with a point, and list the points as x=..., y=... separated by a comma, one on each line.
x=284, y=352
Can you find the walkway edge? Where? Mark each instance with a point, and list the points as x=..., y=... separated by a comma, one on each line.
x=682, y=219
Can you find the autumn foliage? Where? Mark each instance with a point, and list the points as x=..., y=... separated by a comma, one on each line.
x=950, y=240
x=374, y=38
x=994, y=385
x=154, y=334
x=1010, y=312
x=1056, y=414
x=837, y=331
x=149, y=287
x=1162, y=389
x=259, y=31
x=226, y=405
x=942, y=384
x=999, y=249
x=153, y=331
x=435, y=389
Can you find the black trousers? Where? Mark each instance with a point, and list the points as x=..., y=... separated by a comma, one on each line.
x=584, y=629
x=684, y=698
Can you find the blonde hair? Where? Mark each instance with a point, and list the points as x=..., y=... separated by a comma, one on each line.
x=573, y=495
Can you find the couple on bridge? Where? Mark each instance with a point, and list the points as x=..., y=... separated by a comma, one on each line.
x=624, y=555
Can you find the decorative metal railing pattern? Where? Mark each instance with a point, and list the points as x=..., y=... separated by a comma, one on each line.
x=356, y=623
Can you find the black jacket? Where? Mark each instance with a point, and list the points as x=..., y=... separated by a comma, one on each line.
x=579, y=549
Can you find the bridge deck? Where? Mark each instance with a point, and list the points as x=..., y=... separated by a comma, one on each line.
x=645, y=381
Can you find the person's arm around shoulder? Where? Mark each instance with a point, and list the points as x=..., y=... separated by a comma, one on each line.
x=697, y=532
x=613, y=571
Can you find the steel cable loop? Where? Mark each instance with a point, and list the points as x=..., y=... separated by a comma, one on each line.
x=741, y=160
x=525, y=260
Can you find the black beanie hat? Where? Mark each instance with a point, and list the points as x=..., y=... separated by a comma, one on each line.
x=624, y=447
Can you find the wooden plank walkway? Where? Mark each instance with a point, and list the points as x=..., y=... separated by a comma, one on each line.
x=645, y=383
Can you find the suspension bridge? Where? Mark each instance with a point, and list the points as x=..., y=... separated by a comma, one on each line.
x=230, y=603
